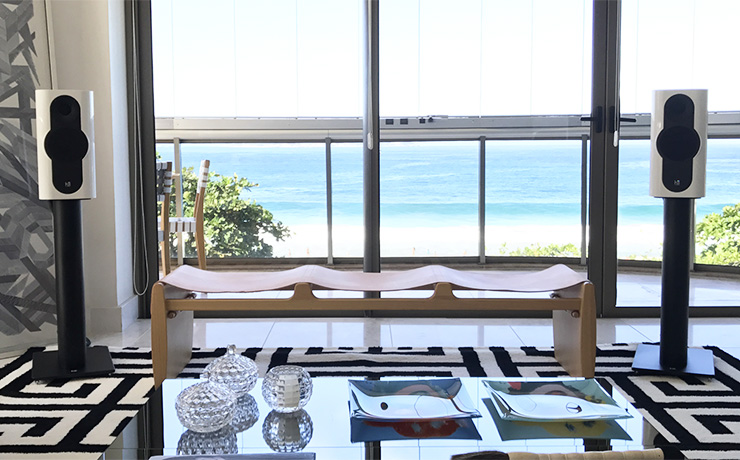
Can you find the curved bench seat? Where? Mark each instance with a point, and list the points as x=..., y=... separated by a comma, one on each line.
x=193, y=279
x=176, y=296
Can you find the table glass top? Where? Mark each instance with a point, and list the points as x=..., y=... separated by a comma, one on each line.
x=324, y=428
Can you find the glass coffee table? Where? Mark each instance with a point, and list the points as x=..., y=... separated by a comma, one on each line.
x=323, y=428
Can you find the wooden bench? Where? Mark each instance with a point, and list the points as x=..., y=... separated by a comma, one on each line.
x=187, y=289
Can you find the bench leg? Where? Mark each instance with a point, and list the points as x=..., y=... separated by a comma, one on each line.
x=574, y=333
x=172, y=338
x=159, y=334
x=179, y=342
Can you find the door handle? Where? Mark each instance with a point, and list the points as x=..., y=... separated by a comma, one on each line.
x=597, y=119
x=615, y=120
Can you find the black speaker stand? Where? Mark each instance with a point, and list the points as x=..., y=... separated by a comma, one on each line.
x=673, y=356
x=74, y=359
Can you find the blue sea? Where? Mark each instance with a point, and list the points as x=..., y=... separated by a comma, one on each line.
x=435, y=184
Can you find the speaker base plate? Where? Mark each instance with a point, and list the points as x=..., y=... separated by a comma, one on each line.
x=699, y=361
x=46, y=366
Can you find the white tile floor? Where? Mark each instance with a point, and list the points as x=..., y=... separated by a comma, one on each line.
x=395, y=332
x=706, y=289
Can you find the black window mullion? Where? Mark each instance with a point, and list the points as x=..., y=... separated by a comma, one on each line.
x=604, y=159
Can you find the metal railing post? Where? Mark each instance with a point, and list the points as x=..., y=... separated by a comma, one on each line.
x=329, y=223
x=482, y=200
x=584, y=198
x=178, y=204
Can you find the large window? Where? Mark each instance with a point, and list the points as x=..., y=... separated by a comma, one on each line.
x=475, y=57
x=640, y=216
x=233, y=58
x=676, y=44
x=286, y=58
x=480, y=104
x=533, y=198
x=428, y=198
x=289, y=181
x=346, y=186
x=670, y=44
x=302, y=59
x=679, y=44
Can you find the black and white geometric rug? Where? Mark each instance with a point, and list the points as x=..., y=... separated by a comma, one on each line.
x=75, y=419
x=79, y=419
x=699, y=416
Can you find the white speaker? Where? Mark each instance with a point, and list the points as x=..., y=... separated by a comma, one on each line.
x=66, y=144
x=678, y=144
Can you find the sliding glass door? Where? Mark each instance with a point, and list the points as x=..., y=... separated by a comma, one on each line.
x=669, y=44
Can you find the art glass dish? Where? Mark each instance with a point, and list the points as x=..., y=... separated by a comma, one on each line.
x=398, y=400
x=563, y=400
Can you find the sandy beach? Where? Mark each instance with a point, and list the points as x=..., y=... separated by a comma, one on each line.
x=634, y=241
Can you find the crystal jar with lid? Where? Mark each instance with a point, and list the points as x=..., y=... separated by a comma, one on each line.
x=237, y=372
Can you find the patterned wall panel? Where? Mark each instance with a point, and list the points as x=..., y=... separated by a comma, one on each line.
x=27, y=292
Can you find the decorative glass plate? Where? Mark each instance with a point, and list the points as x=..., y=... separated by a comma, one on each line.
x=553, y=400
x=509, y=430
x=398, y=400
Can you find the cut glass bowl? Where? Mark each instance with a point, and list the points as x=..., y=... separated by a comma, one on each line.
x=247, y=413
x=219, y=442
x=206, y=406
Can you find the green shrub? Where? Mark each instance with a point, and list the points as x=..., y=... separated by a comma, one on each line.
x=536, y=250
x=718, y=236
x=234, y=227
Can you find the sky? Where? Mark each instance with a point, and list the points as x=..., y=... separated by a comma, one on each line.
x=302, y=58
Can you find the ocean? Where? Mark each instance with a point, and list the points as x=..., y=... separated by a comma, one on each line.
x=434, y=185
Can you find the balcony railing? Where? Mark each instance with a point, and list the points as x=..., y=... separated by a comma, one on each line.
x=484, y=131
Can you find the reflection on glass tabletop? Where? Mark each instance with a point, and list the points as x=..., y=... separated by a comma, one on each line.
x=323, y=427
